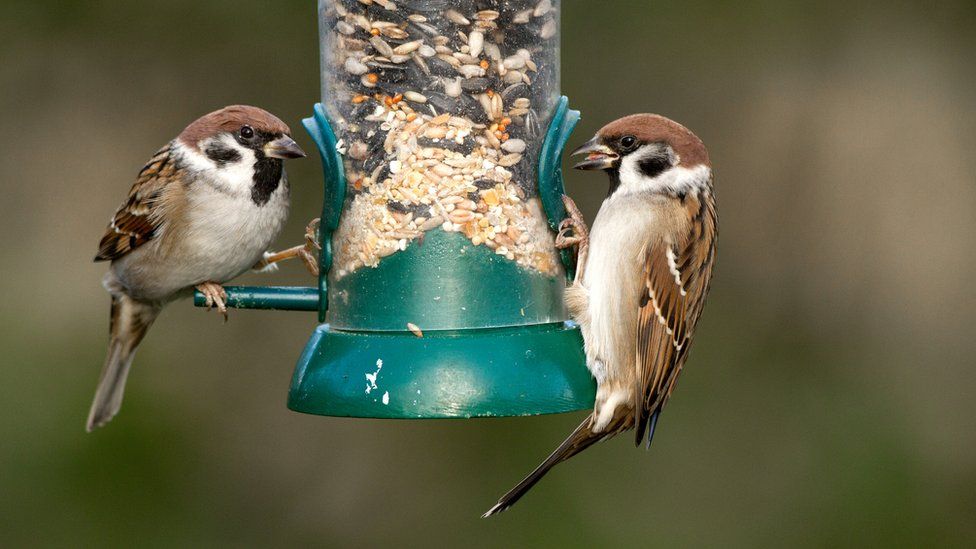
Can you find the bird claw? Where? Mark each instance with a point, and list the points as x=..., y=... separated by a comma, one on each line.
x=309, y=253
x=215, y=296
x=311, y=261
x=312, y=234
x=572, y=230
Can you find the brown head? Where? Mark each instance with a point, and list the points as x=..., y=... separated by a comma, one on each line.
x=242, y=148
x=641, y=149
x=250, y=127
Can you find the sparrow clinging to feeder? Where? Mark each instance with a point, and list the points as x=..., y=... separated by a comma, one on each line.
x=643, y=272
x=202, y=211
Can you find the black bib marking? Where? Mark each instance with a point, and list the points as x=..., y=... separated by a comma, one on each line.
x=267, y=177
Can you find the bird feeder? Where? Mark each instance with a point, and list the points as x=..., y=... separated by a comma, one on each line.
x=441, y=132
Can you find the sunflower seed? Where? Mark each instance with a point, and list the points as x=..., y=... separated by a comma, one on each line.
x=381, y=46
x=455, y=17
x=396, y=33
x=548, y=30
x=476, y=41
x=407, y=47
x=514, y=146
x=414, y=97
x=355, y=66
x=542, y=8
x=452, y=87
x=509, y=159
x=471, y=71
x=514, y=62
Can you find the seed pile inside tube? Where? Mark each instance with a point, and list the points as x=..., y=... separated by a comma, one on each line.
x=437, y=106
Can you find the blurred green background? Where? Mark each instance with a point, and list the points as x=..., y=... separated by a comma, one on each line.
x=827, y=402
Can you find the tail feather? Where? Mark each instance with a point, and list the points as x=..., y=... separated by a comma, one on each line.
x=652, y=424
x=129, y=322
x=581, y=439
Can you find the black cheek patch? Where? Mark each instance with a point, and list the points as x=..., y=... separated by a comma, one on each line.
x=653, y=166
x=221, y=154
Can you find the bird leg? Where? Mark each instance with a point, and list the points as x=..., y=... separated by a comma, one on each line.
x=216, y=295
x=580, y=236
x=308, y=252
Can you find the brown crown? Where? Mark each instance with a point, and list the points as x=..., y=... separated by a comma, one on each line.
x=231, y=119
x=653, y=128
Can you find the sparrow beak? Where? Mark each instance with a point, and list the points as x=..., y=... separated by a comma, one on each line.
x=598, y=156
x=283, y=147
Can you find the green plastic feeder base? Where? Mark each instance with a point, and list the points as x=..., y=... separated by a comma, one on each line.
x=517, y=371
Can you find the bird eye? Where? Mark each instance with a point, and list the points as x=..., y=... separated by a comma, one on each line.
x=628, y=142
x=247, y=132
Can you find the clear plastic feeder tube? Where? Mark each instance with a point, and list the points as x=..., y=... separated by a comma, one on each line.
x=440, y=108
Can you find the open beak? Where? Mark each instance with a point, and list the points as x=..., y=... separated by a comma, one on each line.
x=598, y=156
x=283, y=147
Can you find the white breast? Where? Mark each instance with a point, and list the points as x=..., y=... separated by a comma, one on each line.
x=613, y=281
x=226, y=235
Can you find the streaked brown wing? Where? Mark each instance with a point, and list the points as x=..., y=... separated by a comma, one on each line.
x=677, y=276
x=137, y=220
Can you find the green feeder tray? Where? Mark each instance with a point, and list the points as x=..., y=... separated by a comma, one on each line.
x=496, y=340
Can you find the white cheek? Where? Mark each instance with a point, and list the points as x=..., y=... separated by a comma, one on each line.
x=677, y=179
x=681, y=179
x=631, y=177
x=232, y=177
x=241, y=172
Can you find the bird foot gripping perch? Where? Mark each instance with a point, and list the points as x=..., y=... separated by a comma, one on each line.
x=215, y=296
x=307, y=252
x=574, y=232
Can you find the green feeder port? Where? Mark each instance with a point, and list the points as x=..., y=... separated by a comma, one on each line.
x=440, y=327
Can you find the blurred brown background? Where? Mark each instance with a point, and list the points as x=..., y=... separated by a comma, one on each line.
x=828, y=400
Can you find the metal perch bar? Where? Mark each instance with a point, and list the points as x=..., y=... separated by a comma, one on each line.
x=281, y=298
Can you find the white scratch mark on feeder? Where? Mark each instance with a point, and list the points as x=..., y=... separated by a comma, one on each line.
x=386, y=398
x=371, y=378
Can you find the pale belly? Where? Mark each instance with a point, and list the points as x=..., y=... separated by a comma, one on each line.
x=222, y=237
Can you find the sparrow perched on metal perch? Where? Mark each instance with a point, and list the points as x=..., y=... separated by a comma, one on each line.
x=642, y=276
x=202, y=211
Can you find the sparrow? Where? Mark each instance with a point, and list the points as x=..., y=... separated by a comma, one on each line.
x=643, y=272
x=203, y=210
